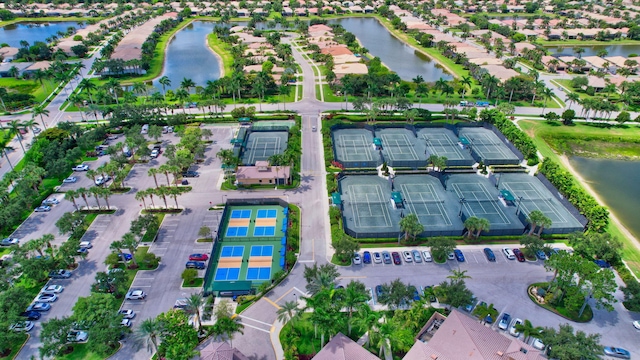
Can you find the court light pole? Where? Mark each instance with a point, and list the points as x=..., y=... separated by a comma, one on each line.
x=498, y=182
x=518, y=207
x=462, y=201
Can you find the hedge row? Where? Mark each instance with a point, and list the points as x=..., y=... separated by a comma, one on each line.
x=517, y=137
x=597, y=214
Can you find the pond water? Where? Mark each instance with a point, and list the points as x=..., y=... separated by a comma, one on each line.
x=188, y=56
x=613, y=50
x=616, y=181
x=396, y=55
x=32, y=32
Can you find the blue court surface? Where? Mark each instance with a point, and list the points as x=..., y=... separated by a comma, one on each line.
x=232, y=251
x=227, y=274
x=267, y=214
x=237, y=231
x=262, y=250
x=241, y=214
x=263, y=273
x=264, y=231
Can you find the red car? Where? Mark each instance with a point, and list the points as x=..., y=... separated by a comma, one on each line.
x=198, y=257
x=396, y=258
x=519, y=255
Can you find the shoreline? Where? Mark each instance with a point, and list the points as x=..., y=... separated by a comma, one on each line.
x=567, y=164
x=166, y=46
x=221, y=71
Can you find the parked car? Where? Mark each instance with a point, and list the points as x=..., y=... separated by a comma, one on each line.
x=190, y=174
x=503, y=324
x=135, y=295
x=198, y=257
x=82, y=251
x=617, y=352
x=366, y=257
x=59, y=274
x=603, y=264
x=636, y=324
x=508, y=253
x=77, y=336
x=101, y=180
x=407, y=256
x=46, y=298
x=470, y=306
x=43, y=208
x=22, y=326
x=195, y=265
x=51, y=201
x=40, y=307
x=70, y=179
x=31, y=315
x=357, y=260
x=416, y=256
x=127, y=313
x=52, y=289
x=86, y=244
x=81, y=167
x=541, y=255
x=125, y=256
x=432, y=298
x=489, y=254
x=126, y=322
x=396, y=258
x=386, y=257
x=519, y=255
x=416, y=295
x=379, y=291
x=451, y=256
x=459, y=255
x=9, y=241
x=537, y=344
x=377, y=258
x=426, y=255
x=512, y=330
x=154, y=153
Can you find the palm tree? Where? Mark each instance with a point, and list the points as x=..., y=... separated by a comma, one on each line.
x=16, y=127
x=164, y=81
x=71, y=195
x=187, y=84
x=471, y=224
x=537, y=218
x=483, y=224
x=83, y=193
x=40, y=110
x=547, y=93
x=113, y=85
x=527, y=329
x=140, y=195
x=105, y=193
x=355, y=295
x=572, y=98
x=193, y=305
x=96, y=192
x=182, y=95
x=88, y=86
x=458, y=275
x=226, y=327
x=148, y=332
x=465, y=82
x=154, y=172
x=3, y=150
x=288, y=311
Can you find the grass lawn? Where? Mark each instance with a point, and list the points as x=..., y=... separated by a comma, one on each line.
x=15, y=347
x=335, y=260
x=197, y=282
x=539, y=131
x=221, y=49
x=587, y=315
x=33, y=87
x=80, y=352
x=151, y=234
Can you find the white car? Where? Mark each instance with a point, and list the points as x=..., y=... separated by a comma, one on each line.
x=81, y=167
x=86, y=244
x=70, y=180
x=127, y=313
x=377, y=258
x=357, y=260
x=10, y=241
x=46, y=298
x=508, y=253
x=154, y=153
x=77, y=336
x=537, y=344
x=22, y=326
x=512, y=329
x=43, y=208
x=407, y=256
x=52, y=201
x=100, y=180
x=135, y=295
x=451, y=256
x=52, y=289
x=126, y=322
x=426, y=255
x=636, y=324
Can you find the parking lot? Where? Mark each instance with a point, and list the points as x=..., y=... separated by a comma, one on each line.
x=502, y=283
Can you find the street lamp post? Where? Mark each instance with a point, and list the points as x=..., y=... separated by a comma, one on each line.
x=518, y=207
x=462, y=201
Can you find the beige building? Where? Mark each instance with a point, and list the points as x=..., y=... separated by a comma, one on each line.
x=263, y=174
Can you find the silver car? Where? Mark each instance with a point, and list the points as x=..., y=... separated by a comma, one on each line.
x=416, y=256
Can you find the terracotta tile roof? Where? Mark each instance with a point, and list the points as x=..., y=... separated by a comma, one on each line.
x=343, y=348
x=221, y=351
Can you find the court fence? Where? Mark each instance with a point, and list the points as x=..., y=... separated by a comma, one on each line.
x=395, y=234
x=567, y=205
x=511, y=231
x=502, y=138
x=208, y=276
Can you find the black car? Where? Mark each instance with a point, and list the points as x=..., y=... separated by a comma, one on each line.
x=190, y=174
x=31, y=315
x=396, y=258
x=489, y=254
x=195, y=265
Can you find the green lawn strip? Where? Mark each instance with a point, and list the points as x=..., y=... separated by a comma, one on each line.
x=81, y=352
x=221, y=49
x=197, y=282
x=537, y=130
x=243, y=306
x=336, y=261
x=15, y=347
x=150, y=235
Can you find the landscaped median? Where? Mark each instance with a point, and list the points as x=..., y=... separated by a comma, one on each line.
x=538, y=294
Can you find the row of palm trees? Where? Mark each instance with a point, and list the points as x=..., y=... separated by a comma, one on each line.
x=96, y=191
x=161, y=192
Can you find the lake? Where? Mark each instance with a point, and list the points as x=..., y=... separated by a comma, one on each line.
x=395, y=54
x=188, y=56
x=616, y=181
x=613, y=50
x=32, y=32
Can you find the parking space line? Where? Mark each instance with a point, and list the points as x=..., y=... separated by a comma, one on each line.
x=271, y=302
x=250, y=319
x=257, y=328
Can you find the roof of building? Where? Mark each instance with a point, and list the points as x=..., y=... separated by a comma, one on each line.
x=130, y=47
x=336, y=50
x=461, y=337
x=617, y=60
x=343, y=348
x=596, y=82
x=500, y=72
x=262, y=172
x=221, y=351
x=350, y=68
x=595, y=61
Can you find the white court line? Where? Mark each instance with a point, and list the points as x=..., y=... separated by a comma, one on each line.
x=352, y=194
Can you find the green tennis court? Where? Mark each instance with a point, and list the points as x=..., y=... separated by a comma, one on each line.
x=260, y=145
x=487, y=145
